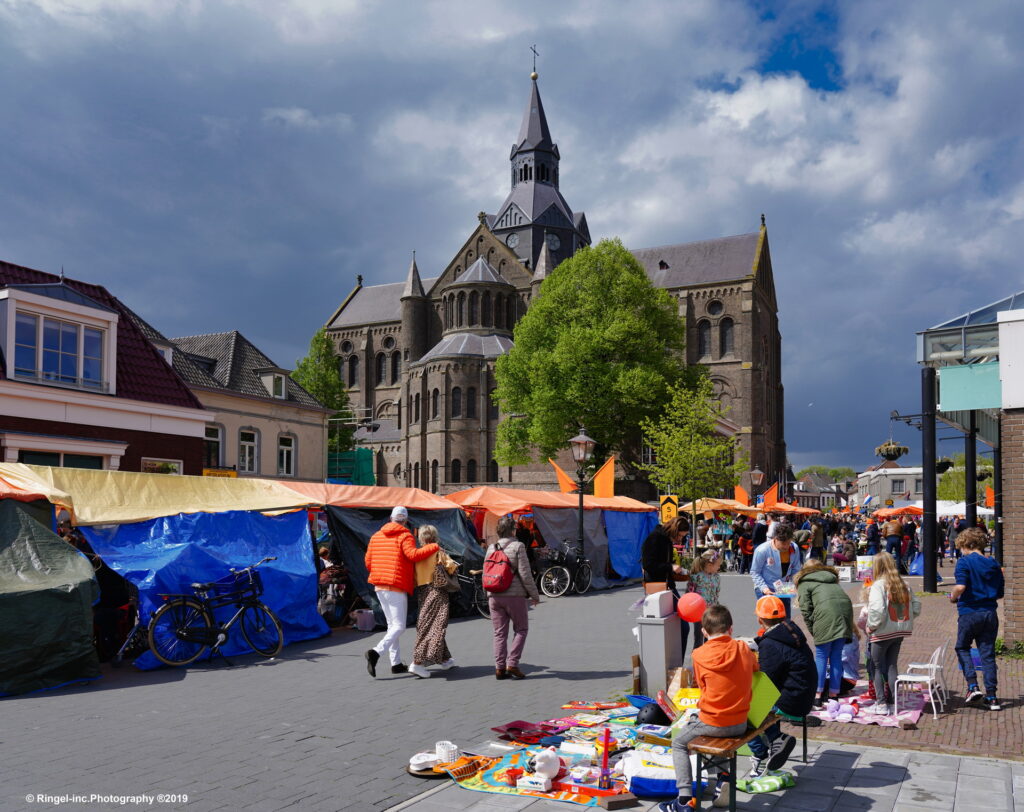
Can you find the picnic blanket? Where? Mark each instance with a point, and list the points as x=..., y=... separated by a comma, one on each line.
x=492, y=779
x=911, y=706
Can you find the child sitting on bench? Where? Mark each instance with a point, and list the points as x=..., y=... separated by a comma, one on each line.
x=787, y=660
x=724, y=671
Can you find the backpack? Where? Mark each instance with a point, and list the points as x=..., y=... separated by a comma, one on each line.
x=498, y=572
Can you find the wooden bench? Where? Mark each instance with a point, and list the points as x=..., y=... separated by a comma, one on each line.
x=720, y=755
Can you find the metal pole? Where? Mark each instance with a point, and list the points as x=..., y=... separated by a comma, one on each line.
x=928, y=524
x=997, y=486
x=971, y=472
x=579, y=532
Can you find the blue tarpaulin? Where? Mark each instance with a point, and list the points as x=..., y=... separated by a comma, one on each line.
x=169, y=554
x=626, y=533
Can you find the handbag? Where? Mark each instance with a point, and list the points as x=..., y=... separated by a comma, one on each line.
x=454, y=585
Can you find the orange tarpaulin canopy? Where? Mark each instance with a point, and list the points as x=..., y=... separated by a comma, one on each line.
x=511, y=500
x=784, y=507
x=726, y=505
x=908, y=510
x=368, y=496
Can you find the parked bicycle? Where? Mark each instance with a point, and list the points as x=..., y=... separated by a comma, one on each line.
x=474, y=579
x=184, y=627
x=564, y=569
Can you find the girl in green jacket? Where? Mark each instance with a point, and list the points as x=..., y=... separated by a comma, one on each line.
x=828, y=611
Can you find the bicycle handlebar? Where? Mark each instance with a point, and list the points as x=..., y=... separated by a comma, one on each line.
x=253, y=566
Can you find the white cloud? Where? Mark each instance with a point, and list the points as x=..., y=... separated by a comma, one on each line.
x=299, y=118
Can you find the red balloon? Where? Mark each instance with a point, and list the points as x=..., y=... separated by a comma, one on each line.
x=691, y=607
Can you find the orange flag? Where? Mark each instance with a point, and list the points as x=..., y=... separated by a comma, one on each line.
x=990, y=498
x=771, y=496
x=565, y=482
x=740, y=495
x=604, y=479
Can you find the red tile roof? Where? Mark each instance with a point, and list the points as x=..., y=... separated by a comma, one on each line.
x=142, y=372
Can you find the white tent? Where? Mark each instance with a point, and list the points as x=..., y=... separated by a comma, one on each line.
x=945, y=507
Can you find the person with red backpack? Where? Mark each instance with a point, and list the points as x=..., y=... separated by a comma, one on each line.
x=507, y=579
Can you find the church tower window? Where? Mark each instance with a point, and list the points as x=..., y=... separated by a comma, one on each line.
x=704, y=339
x=485, y=309
x=416, y=409
x=725, y=337
x=471, y=402
x=435, y=399
x=396, y=366
x=381, y=368
x=455, y=471
x=474, y=303
x=353, y=370
x=471, y=471
x=456, y=397
x=460, y=307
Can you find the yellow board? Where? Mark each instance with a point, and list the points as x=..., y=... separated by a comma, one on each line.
x=230, y=473
x=669, y=507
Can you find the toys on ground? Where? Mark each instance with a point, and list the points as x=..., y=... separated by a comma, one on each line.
x=841, y=710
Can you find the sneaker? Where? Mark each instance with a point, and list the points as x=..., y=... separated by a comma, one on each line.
x=758, y=767
x=782, y=748
x=371, y=662
x=401, y=668
x=419, y=671
x=993, y=703
x=677, y=805
x=880, y=709
x=449, y=663
x=723, y=794
x=973, y=694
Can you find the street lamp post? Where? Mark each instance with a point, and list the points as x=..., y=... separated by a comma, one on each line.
x=756, y=479
x=582, y=450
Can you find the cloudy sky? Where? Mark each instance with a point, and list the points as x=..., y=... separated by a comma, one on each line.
x=234, y=164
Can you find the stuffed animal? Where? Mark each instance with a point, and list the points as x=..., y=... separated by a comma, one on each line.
x=545, y=763
x=831, y=709
x=846, y=711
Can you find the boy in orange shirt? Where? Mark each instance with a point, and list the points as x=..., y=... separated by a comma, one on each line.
x=724, y=671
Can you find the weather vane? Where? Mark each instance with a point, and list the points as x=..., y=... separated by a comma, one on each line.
x=535, y=55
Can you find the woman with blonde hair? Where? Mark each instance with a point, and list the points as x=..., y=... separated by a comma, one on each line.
x=828, y=611
x=432, y=598
x=892, y=608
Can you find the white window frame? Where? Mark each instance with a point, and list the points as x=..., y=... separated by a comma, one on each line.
x=220, y=443
x=254, y=445
x=111, y=451
x=179, y=466
x=292, y=454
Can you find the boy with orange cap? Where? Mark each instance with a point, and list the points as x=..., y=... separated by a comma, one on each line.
x=724, y=671
x=787, y=660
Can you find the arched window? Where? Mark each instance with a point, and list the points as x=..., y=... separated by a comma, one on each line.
x=485, y=309
x=471, y=471
x=399, y=404
x=704, y=339
x=471, y=402
x=725, y=337
x=474, y=310
x=455, y=471
x=510, y=312
x=492, y=405
x=396, y=366
x=381, y=368
x=456, y=408
x=492, y=471
x=416, y=409
x=398, y=474
x=435, y=399
x=499, y=309
x=460, y=307
x=433, y=476
x=416, y=475
x=353, y=370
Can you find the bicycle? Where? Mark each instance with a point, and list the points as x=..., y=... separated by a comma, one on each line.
x=565, y=571
x=480, y=598
x=183, y=628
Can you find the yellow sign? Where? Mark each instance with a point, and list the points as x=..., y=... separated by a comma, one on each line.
x=229, y=473
x=888, y=502
x=669, y=507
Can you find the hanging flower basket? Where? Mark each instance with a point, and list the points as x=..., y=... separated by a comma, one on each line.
x=891, y=451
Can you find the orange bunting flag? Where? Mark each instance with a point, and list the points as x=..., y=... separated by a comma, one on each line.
x=990, y=498
x=565, y=482
x=741, y=495
x=771, y=496
x=604, y=479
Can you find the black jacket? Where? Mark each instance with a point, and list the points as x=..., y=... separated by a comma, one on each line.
x=788, y=661
x=760, y=533
x=656, y=557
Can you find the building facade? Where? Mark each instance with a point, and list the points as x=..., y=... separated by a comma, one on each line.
x=888, y=481
x=419, y=356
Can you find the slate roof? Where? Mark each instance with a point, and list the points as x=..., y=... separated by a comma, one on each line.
x=481, y=271
x=700, y=263
x=534, y=132
x=387, y=431
x=235, y=360
x=142, y=372
x=374, y=304
x=473, y=345
x=535, y=198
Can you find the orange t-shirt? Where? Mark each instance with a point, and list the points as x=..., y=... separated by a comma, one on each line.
x=724, y=670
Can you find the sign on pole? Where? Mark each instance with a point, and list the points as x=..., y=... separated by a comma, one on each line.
x=669, y=507
x=888, y=502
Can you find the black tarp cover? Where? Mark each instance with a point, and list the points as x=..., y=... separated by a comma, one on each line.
x=47, y=591
x=352, y=528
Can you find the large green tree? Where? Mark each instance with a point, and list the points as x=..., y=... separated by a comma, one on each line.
x=599, y=347
x=951, y=484
x=319, y=374
x=692, y=459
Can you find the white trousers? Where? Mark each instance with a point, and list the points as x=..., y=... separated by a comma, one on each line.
x=395, y=606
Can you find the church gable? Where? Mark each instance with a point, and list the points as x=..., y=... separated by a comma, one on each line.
x=552, y=216
x=512, y=217
x=482, y=243
x=764, y=280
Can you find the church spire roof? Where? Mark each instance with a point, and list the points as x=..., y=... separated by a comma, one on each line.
x=545, y=265
x=534, y=132
x=413, y=284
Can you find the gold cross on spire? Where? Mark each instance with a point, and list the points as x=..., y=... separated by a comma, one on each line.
x=535, y=55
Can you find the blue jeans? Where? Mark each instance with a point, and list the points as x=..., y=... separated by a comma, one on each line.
x=981, y=627
x=759, y=745
x=830, y=655
x=786, y=601
x=894, y=547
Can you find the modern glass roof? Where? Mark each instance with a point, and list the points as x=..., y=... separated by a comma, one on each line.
x=983, y=315
x=970, y=338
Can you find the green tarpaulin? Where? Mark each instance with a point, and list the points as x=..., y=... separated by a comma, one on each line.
x=46, y=595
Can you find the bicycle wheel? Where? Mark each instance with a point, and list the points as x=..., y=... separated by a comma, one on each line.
x=262, y=630
x=584, y=577
x=554, y=581
x=178, y=630
x=481, y=601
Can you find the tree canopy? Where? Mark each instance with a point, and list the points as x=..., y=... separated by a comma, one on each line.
x=600, y=347
x=951, y=484
x=691, y=458
x=835, y=474
x=319, y=374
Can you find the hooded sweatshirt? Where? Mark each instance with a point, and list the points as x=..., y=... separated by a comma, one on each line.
x=786, y=658
x=724, y=670
x=827, y=609
x=390, y=555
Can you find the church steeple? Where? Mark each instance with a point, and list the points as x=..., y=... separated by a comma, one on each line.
x=413, y=284
x=534, y=155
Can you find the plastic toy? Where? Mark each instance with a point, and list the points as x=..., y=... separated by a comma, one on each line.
x=691, y=607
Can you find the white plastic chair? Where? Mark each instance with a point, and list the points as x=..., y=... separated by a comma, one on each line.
x=930, y=674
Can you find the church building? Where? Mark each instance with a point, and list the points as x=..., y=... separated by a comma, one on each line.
x=418, y=356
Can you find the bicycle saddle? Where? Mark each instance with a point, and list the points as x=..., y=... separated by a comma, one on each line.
x=204, y=586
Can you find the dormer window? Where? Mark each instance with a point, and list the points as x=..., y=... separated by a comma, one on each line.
x=273, y=381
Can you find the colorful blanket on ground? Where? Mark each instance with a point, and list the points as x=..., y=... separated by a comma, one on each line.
x=911, y=706
x=492, y=779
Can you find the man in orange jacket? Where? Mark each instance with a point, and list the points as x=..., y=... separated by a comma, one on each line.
x=389, y=558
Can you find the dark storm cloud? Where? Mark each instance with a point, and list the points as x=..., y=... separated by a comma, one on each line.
x=235, y=165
